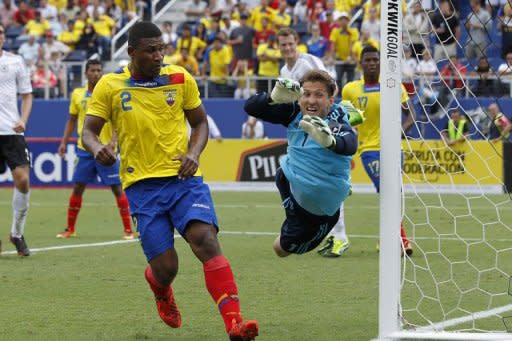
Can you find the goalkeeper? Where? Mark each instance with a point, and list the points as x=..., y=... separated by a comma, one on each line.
x=314, y=177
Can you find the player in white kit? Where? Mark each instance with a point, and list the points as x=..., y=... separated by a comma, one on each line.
x=14, y=79
x=296, y=65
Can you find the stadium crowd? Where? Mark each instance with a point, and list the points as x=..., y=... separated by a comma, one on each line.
x=223, y=41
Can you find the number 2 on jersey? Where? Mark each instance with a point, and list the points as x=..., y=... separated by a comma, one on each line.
x=126, y=97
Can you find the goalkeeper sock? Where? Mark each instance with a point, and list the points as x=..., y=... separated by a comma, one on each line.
x=339, y=230
x=75, y=203
x=19, y=212
x=221, y=285
x=124, y=211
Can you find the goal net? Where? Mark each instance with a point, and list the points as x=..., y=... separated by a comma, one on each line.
x=454, y=204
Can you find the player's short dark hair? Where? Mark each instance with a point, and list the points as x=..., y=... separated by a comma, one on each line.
x=141, y=30
x=369, y=49
x=92, y=62
x=320, y=76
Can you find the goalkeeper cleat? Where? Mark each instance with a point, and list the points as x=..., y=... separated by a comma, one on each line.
x=285, y=91
x=66, y=234
x=319, y=130
x=326, y=245
x=128, y=236
x=339, y=247
x=243, y=330
x=407, y=247
x=21, y=246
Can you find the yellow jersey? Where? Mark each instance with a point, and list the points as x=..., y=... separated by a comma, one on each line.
x=366, y=97
x=268, y=68
x=149, y=118
x=343, y=40
x=78, y=107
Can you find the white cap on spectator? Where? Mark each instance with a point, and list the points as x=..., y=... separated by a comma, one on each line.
x=342, y=15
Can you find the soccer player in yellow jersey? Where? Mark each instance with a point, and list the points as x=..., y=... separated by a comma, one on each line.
x=364, y=94
x=87, y=169
x=149, y=105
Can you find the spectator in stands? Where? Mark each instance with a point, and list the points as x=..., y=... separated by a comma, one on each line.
x=447, y=31
x=456, y=129
x=87, y=41
x=428, y=94
x=213, y=129
x=70, y=36
x=228, y=25
x=24, y=14
x=213, y=30
x=41, y=79
x=52, y=45
x=114, y=11
x=317, y=44
x=262, y=35
x=364, y=40
x=505, y=25
x=268, y=55
x=168, y=35
x=500, y=127
x=342, y=39
x=263, y=10
x=59, y=26
x=71, y=10
x=282, y=18
x=170, y=54
x=95, y=5
x=195, y=9
x=372, y=25
x=409, y=67
x=105, y=28
x=253, y=128
x=486, y=85
x=427, y=66
x=244, y=87
x=58, y=68
x=453, y=74
x=37, y=26
x=217, y=60
x=48, y=11
x=82, y=19
x=195, y=45
x=241, y=41
x=7, y=11
x=417, y=27
x=505, y=74
x=300, y=12
x=368, y=6
x=478, y=23
x=30, y=52
x=188, y=62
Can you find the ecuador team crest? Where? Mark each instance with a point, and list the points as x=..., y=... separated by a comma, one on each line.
x=170, y=96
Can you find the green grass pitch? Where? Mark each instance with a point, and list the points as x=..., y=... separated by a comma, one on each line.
x=99, y=292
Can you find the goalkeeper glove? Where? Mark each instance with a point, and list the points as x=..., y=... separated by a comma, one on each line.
x=318, y=129
x=285, y=91
x=355, y=116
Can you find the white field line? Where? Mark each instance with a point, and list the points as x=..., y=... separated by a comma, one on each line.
x=248, y=206
x=233, y=233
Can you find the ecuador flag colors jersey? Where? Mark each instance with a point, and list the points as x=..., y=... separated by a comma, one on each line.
x=78, y=107
x=149, y=118
x=366, y=97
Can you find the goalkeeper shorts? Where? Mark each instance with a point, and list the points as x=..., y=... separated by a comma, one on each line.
x=301, y=231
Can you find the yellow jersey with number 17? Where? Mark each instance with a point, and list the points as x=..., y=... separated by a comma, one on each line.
x=149, y=118
x=78, y=107
x=366, y=97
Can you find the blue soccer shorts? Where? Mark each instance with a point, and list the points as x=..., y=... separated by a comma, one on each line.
x=371, y=163
x=301, y=231
x=160, y=205
x=87, y=169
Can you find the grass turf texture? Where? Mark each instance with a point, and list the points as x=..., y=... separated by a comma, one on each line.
x=100, y=292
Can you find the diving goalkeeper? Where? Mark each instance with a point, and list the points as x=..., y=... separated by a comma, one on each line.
x=314, y=177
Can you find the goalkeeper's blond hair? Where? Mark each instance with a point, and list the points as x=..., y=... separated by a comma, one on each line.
x=322, y=77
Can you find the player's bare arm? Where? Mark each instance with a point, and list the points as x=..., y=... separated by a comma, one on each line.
x=92, y=128
x=68, y=130
x=26, y=107
x=198, y=139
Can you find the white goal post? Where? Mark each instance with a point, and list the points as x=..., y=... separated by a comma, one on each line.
x=396, y=272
